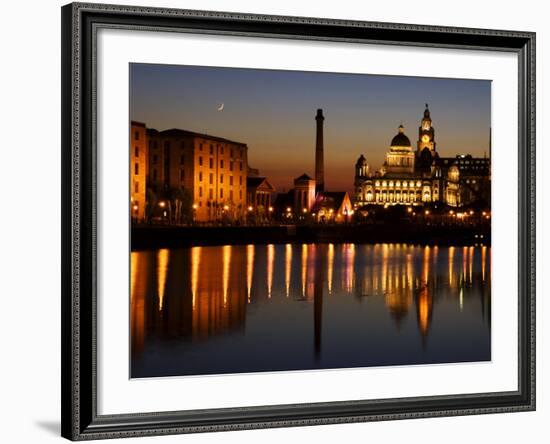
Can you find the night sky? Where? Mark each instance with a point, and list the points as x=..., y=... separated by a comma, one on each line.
x=273, y=112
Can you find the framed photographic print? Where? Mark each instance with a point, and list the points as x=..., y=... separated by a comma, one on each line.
x=280, y=221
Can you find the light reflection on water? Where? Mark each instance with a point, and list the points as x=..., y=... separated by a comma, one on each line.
x=233, y=309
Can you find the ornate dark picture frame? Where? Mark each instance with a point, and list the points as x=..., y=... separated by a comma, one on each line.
x=80, y=23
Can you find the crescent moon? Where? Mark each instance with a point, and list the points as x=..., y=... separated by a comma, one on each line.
x=220, y=108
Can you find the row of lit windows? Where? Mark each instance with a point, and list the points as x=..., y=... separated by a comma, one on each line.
x=222, y=164
x=167, y=145
x=210, y=163
x=182, y=176
x=221, y=148
x=211, y=193
x=398, y=183
x=211, y=179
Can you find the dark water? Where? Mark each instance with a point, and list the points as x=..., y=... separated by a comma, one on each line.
x=234, y=309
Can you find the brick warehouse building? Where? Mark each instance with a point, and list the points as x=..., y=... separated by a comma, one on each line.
x=211, y=169
x=138, y=170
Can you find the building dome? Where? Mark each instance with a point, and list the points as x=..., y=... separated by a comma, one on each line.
x=361, y=161
x=400, y=139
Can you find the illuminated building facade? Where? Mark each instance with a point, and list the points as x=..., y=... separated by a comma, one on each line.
x=332, y=206
x=258, y=195
x=308, y=200
x=211, y=169
x=421, y=176
x=304, y=193
x=138, y=170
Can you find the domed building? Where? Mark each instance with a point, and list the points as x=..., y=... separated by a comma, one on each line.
x=418, y=176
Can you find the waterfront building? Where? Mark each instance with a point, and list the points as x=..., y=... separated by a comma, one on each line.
x=258, y=195
x=421, y=176
x=138, y=170
x=332, y=206
x=210, y=170
x=308, y=199
x=304, y=194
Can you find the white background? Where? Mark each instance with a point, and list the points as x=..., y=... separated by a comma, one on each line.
x=30, y=235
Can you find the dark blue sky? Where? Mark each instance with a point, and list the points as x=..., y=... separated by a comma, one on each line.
x=273, y=112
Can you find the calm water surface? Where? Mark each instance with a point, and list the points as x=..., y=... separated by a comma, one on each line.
x=234, y=309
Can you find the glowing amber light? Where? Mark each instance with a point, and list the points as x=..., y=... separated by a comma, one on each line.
x=137, y=304
x=330, y=266
x=270, y=262
x=451, y=267
x=163, y=258
x=426, y=265
x=464, y=263
x=249, y=208
x=226, y=207
x=288, y=267
x=162, y=204
x=226, y=254
x=424, y=311
x=270, y=209
x=195, y=206
x=195, y=264
x=483, y=258
x=304, y=269
x=249, y=269
x=349, y=254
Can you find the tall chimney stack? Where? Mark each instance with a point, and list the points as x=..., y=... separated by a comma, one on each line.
x=319, y=158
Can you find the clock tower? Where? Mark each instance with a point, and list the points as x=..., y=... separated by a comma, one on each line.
x=426, y=133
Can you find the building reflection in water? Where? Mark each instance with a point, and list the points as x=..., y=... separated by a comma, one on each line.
x=330, y=269
x=288, y=268
x=200, y=293
x=195, y=264
x=270, y=263
x=249, y=270
x=162, y=270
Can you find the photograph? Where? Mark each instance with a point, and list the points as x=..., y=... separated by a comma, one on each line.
x=302, y=220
